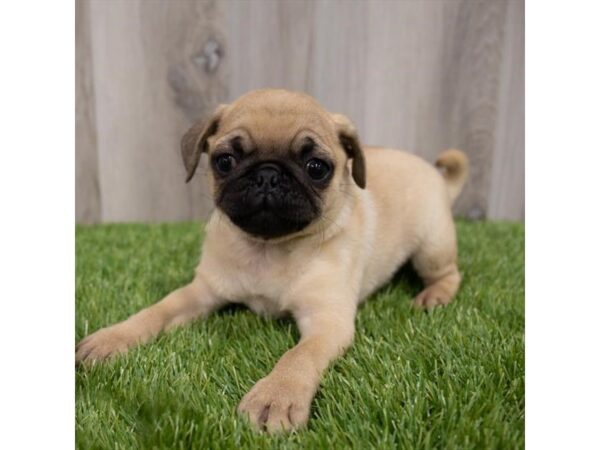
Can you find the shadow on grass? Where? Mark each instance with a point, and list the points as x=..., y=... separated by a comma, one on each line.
x=407, y=278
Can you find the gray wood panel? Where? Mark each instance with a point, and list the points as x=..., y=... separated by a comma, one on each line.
x=417, y=75
x=87, y=193
x=507, y=191
x=150, y=81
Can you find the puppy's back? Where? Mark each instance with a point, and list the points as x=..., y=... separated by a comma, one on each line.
x=410, y=199
x=398, y=178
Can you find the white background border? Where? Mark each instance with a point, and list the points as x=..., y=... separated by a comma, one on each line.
x=562, y=224
x=37, y=118
x=562, y=216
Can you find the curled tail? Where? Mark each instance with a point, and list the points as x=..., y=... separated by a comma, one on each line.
x=454, y=166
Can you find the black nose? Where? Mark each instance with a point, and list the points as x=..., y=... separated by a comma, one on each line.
x=267, y=176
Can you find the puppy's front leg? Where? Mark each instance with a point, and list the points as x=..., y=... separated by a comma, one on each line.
x=179, y=307
x=281, y=401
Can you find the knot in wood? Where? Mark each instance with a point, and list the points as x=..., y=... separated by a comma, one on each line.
x=209, y=57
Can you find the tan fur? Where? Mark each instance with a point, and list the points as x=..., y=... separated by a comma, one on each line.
x=320, y=274
x=455, y=168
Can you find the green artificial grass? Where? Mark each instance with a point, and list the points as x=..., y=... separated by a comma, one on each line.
x=451, y=379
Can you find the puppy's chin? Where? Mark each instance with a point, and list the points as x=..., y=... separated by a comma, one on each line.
x=267, y=224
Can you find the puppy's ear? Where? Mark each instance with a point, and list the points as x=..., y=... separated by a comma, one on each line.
x=194, y=141
x=349, y=140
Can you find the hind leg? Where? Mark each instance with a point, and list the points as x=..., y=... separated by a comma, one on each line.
x=436, y=263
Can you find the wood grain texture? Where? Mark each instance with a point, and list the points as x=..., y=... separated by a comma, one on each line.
x=472, y=61
x=87, y=196
x=507, y=191
x=419, y=75
x=152, y=78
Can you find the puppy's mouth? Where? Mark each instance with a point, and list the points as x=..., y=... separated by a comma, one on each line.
x=268, y=224
x=268, y=203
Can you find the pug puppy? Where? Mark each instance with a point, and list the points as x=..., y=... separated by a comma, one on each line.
x=308, y=222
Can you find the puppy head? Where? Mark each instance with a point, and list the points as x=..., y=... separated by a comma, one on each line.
x=279, y=161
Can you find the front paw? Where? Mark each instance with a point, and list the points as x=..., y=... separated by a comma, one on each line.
x=278, y=403
x=103, y=344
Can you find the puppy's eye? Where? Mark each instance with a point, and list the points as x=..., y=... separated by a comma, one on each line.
x=225, y=163
x=317, y=169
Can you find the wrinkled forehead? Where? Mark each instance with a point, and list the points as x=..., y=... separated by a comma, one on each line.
x=271, y=122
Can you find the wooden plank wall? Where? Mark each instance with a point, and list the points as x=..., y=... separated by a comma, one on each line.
x=413, y=74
